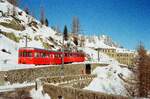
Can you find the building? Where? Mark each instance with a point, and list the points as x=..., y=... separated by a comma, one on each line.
x=123, y=56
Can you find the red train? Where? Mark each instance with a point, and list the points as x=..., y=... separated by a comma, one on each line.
x=37, y=56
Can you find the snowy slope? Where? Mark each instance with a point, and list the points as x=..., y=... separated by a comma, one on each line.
x=38, y=31
x=102, y=41
x=11, y=50
x=93, y=55
x=40, y=35
x=108, y=80
x=38, y=94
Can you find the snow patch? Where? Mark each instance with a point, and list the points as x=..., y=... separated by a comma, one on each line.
x=39, y=94
x=108, y=80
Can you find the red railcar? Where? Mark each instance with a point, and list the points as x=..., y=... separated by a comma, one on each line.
x=44, y=57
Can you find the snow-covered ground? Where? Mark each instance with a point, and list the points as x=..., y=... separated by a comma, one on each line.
x=38, y=94
x=35, y=94
x=94, y=56
x=11, y=87
x=108, y=80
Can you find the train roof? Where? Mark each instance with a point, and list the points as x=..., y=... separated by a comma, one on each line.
x=32, y=48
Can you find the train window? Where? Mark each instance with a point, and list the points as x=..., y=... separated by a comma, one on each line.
x=59, y=55
x=43, y=54
x=20, y=54
x=53, y=56
x=29, y=54
x=37, y=54
x=24, y=54
x=40, y=55
x=47, y=55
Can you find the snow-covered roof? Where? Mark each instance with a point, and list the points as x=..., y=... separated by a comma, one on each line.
x=122, y=50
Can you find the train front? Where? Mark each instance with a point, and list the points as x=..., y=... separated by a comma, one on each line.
x=26, y=55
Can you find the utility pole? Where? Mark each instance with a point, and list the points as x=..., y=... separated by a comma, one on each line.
x=26, y=40
x=63, y=54
x=62, y=65
x=98, y=55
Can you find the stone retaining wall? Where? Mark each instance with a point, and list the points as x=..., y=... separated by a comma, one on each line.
x=76, y=81
x=28, y=75
x=54, y=87
x=72, y=93
x=61, y=79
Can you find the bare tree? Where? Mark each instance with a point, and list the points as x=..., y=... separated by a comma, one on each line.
x=42, y=20
x=58, y=29
x=82, y=41
x=75, y=29
x=8, y=11
x=143, y=72
x=14, y=3
x=75, y=25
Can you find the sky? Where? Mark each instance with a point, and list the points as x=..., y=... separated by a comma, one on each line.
x=126, y=21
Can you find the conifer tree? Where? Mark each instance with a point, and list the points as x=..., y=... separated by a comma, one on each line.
x=65, y=33
x=46, y=22
x=26, y=10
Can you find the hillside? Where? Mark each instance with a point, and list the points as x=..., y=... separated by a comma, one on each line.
x=14, y=29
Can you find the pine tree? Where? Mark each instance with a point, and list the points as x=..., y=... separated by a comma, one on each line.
x=65, y=33
x=46, y=22
x=26, y=10
x=143, y=72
